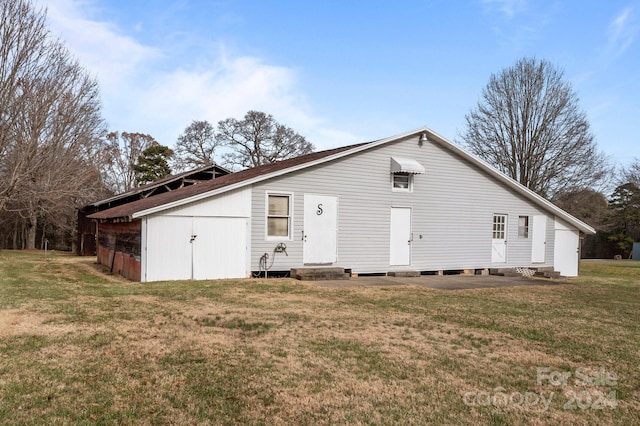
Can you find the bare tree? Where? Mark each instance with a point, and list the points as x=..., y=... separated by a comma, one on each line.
x=259, y=139
x=632, y=173
x=123, y=151
x=196, y=146
x=23, y=42
x=50, y=119
x=529, y=126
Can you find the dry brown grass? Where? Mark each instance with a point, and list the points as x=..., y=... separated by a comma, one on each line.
x=79, y=346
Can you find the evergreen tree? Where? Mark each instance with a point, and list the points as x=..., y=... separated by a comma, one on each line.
x=153, y=164
x=625, y=207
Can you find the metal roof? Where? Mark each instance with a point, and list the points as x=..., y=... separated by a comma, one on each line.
x=406, y=165
x=208, y=188
x=149, y=187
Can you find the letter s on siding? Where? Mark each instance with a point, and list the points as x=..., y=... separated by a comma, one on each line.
x=319, y=211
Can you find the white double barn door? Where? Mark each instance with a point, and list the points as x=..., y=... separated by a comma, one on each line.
x=181, y=248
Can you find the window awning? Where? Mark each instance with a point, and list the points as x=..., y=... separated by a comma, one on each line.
x=406, y=165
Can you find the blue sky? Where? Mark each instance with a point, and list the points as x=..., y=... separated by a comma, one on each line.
x=342, y=72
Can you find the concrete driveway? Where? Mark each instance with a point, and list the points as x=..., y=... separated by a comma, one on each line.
x=440, y=282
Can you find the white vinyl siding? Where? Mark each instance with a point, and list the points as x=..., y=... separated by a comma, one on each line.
x=452, y=203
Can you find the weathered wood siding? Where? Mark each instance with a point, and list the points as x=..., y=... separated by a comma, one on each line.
x=85, y=244
x=119, y=247
x=452, y=203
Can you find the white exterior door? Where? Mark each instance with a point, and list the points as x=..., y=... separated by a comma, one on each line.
x=320, y=229
x=499, y=239
x=538, y=239
x=400, y=236
x=184, y=247
x=566, y=250
x=219, y=248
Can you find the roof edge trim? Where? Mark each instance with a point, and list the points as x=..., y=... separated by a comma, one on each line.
x=437, y=138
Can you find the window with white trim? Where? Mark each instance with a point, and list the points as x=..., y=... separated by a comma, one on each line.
x=279, y=215
x=402, y=181
x=523, y=226
x=402, y=171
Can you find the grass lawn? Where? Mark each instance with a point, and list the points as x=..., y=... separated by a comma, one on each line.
x=81, y=347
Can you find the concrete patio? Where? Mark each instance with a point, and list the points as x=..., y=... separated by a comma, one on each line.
x=440, y=282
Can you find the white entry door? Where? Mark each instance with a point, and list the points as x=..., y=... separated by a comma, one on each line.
x=400, y=236
x=320, y=229
x=499, y=239
x=539, y=239
x=566, y=251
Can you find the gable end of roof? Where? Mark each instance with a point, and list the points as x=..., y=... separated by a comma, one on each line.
x=246, y=177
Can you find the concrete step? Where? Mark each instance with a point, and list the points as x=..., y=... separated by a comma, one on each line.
x=504, y=272
x=404, y=273
x=548, y=274
x=319, y=273
x=544, y=271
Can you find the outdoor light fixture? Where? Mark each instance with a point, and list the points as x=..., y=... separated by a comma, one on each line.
x=423, y=138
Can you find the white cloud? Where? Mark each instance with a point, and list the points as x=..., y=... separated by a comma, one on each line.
x=143, y=91
x=509, y=7
x=111, y=56
x=227, y=87
x=516, y=26
x=622, y=32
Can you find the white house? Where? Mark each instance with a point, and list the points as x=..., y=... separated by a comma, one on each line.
x=414, y=201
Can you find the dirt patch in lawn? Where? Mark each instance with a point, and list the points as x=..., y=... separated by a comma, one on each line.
x=15, y=322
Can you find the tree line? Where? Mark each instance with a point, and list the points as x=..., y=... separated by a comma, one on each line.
x=134, y=159
x=50, y=127
x=55, y=151
x=56, y=154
